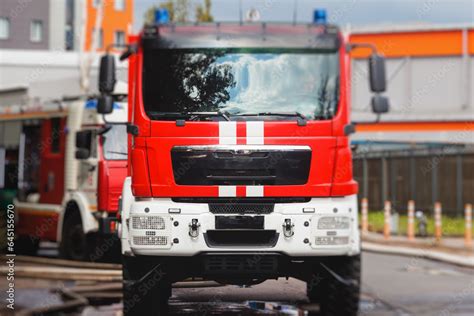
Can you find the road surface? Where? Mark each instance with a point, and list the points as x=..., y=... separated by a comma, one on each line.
x=391, y=285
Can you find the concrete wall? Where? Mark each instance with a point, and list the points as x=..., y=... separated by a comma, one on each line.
x=48, y=74
x=57, y=24
x=419, y=88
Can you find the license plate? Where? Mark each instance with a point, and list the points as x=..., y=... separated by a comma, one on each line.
x=240, y=222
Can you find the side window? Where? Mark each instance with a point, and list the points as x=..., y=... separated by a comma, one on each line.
x=55, y=135
x=36, y=31
x=119, y=38
x=120, y=5
x=4, y=28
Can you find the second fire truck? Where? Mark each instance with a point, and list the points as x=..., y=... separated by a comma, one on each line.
x=67, y=166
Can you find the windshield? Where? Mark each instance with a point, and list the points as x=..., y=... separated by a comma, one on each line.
x=114, y=143
x=241, y=82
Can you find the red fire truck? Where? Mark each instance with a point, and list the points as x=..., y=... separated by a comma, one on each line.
x=67, y=166
x=240, y=162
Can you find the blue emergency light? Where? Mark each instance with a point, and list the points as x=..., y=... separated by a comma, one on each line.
x=162, y=16
x=319, y=16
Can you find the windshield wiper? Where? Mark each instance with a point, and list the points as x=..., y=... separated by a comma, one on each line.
x=223, y=114
x=301, y=118
x=183, y=115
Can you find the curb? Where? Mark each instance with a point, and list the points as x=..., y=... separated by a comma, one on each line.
x=419, y=253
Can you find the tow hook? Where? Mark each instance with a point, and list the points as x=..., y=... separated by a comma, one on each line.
x=194, y=228
x=288, y=228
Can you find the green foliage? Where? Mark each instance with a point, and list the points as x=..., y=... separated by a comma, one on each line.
x=203, y=13
x=179, y=11
x=452, y=226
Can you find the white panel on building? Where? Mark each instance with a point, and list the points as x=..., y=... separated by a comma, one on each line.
x=10, y=134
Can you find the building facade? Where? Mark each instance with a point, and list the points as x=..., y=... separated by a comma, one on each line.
x=63, y=24
x=423, y=150
x=26, y=24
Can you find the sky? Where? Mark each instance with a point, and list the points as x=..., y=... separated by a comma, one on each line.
x=341, y=12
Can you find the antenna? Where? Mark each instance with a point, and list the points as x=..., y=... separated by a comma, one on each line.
x=240, y=12
x=295, y=9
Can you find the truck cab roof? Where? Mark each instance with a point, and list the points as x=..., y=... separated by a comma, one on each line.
x=239, y=35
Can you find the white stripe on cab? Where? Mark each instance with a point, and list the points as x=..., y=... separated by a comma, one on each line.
x=254, y=191
x=227, y=191
x=227, y=133
x=255, y=132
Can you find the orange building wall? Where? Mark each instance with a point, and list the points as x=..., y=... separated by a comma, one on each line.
x=112, y=21
x=415, y=44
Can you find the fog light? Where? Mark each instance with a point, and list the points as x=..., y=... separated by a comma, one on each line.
x=148, y=222
x=332, y=240
x=334, y=222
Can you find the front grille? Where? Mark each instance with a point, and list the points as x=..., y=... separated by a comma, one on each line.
x=148, y=222
x=150, y=241
x=241, y=208
x=268, y=200
x=241, y=165
x=241, y=264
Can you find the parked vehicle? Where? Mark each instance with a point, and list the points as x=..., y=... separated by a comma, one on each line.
x=241, y=169
x=67, y=166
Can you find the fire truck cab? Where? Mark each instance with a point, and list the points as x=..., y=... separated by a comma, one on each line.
x=67, y=166
x=240, y=162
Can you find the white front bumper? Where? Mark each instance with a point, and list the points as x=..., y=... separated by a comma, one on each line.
x=176, y=227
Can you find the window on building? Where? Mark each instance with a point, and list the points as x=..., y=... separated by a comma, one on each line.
x=36, y=31
x=4, y=28
x=120, y=5
x=119, y=38
x=96, y=3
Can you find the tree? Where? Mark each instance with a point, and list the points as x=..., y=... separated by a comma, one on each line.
x=177, y=9
x=186, y=82
x=203, y=14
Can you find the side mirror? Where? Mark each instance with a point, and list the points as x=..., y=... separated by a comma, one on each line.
x=82, y=153
x=377, y=73
x=105, y=104
x=107, y=74
x=83, y=139
x=380, y=104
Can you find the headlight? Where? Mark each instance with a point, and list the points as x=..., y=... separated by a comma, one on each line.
x=148, y=222
x=334, y=222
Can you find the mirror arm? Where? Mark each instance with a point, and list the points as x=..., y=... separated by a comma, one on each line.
x=130, y=50
x=370, y=46
x=377, y=119
x=107, y=123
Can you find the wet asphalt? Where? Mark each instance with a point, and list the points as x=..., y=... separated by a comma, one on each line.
x=391, y=285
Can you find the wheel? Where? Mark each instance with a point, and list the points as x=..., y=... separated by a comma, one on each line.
x=74, y=243
x=146, y=290
x=26, y=245
x=336, y=297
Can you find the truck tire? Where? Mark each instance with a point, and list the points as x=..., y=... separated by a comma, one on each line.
x=75, y=245
x=335, y=297
x=145, y=289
